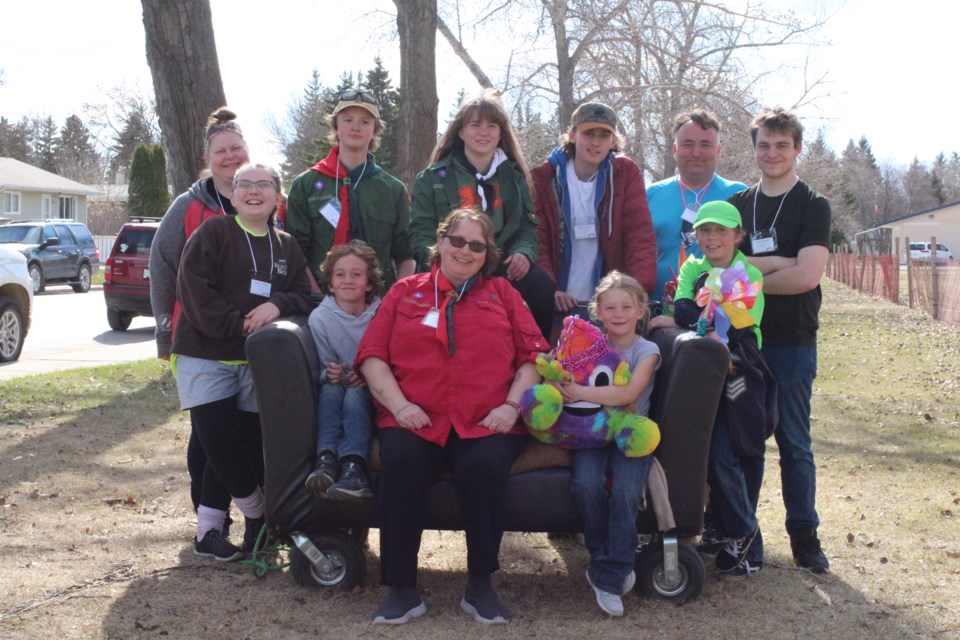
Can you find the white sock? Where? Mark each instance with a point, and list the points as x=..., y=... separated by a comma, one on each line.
x=209, y=518
x=251, y=506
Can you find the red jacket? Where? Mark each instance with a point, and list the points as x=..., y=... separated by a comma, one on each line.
x=493, y=332
x=628, y=245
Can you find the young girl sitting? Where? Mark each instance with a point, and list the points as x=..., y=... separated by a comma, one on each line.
x=350, y=275
x=735, y=465
x=610, y=516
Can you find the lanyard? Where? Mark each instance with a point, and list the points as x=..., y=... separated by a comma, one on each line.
x=777, y=214
x=698, y=195
x=246, y=234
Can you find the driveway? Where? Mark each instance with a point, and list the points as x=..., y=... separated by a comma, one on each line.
x=69, y=331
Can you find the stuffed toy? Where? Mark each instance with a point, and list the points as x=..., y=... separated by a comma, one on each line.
x=582, y=355
x=726, y=297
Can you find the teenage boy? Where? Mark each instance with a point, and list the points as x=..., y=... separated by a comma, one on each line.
x=674, y=202
x=787, y=227
x=593, y=212
x=347, y=196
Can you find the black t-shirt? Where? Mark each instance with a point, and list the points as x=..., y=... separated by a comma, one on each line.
x=803, y=221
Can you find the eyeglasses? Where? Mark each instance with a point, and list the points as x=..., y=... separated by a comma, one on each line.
x=355, y=94
x=459, y=242
x=261, y=185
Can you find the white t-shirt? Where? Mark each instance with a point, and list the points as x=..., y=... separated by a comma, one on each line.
x=583, y=235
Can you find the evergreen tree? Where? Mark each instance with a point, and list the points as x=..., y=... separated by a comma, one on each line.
x=139, y=183
x=161, y=189
x=148, y=193
x=917, y=187
x=45, y=142
x=305, y=126
x=15, y=140
x=76, y=158
x=378, y=83
x=537, y=138
x=136, y=130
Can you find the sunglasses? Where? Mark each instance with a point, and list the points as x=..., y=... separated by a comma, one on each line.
x=363, y=96
x=459, y=242
x=261, y=185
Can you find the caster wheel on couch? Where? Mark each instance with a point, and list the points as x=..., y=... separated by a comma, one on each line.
x=344, y=570
x=653, y=583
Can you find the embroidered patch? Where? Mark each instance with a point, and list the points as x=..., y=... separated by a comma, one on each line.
x=319, y=185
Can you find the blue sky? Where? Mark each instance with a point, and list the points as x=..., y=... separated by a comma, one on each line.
x=886, y=65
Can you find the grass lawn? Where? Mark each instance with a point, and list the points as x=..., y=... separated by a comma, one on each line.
x=97, y=523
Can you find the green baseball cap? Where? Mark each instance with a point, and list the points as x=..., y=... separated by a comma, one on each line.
x=718, y=212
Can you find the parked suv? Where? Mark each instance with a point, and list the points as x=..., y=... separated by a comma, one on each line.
x=16, y=300
x=922, y=251
x=57, y=252
x=126, y=275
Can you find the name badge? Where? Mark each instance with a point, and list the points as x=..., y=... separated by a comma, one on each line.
x=584, y=231
x=689, y=215
x=432, y=319
x=260, y=288
x=331, y=212
x=764, y=241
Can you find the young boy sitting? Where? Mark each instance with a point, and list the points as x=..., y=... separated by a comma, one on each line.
x=350, y=275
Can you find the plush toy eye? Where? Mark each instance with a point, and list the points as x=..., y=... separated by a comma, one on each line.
x=601, y=376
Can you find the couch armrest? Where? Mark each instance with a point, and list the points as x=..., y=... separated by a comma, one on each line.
x=686, y=395
x=284, y=365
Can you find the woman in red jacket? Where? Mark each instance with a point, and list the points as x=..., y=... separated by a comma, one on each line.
x=447, y=358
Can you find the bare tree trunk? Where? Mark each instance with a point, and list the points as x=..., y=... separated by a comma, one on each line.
x=182, y=55
x=417, y=135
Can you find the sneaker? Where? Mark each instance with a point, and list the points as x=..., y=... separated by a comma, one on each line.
x=399, y=607
x=734, y=553
x=226, y=526
x=323, y=474
x=745, y=569
x=214, y=545
x=352, y=483
x=807, y=552
x=610, y=602
x=251, y=531
x=630, y=581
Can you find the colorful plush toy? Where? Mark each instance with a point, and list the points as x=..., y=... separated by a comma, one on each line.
x=726, y=296
x=582, y=355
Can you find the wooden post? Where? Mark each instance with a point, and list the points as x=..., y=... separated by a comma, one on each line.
x=896, y=266
x=934, y=280
x=906, y=251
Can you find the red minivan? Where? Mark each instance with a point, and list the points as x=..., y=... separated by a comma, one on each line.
x=126, y=277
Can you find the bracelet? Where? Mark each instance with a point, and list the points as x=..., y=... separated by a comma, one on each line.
x=511, y=403
x=402, y=409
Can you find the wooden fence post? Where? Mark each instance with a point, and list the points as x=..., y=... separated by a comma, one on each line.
x=934, y=280
x=906, y=250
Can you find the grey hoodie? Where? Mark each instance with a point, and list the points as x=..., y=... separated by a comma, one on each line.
x=166, y=251
x=337, y=333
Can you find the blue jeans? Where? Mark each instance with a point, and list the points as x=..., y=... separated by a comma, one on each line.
x=344, y=420
x=794, y=368
x=734, y=488
x=609, y=517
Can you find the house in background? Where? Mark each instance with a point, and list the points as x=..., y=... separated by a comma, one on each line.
x=943, y=222
x=30, y=193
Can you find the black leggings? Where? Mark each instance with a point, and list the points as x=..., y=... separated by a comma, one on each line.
x=409, y=465
x=537, y=289
x=231, y=440
x=217, y=496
